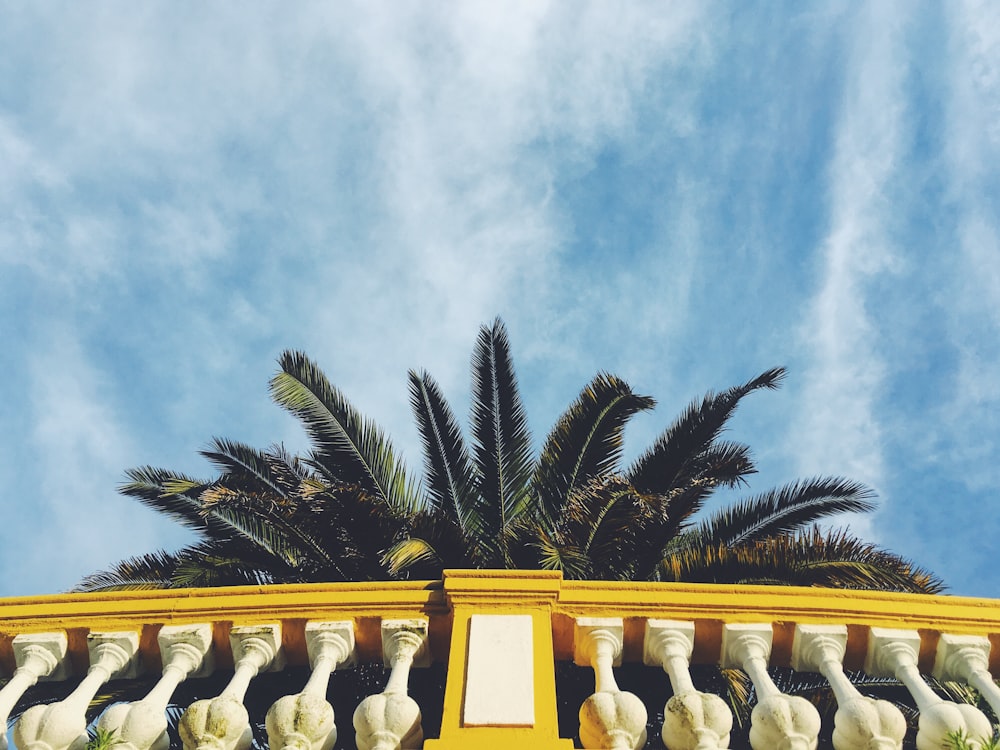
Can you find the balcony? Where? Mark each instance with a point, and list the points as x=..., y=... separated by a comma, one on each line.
x=471, y=662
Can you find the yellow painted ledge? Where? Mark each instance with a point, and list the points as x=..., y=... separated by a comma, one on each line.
x=366, y=604
x=709, y=606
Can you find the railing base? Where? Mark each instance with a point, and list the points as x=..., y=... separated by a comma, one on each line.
x=498, y=738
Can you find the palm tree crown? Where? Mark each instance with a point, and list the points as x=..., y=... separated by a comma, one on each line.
x=349, y=511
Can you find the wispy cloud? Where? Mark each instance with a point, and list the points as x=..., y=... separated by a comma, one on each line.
x=187, y=190
x=973, y=299
x=469, y=142
x=71, y=522
x=839, y=430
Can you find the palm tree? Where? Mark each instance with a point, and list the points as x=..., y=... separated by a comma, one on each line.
x=349, y=511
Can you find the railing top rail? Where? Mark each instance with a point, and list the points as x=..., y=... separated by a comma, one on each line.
x=710, y=606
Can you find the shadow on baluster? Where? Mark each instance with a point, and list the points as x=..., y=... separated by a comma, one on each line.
x=391, y=720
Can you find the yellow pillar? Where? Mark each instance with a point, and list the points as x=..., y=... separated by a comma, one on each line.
x=519, y=595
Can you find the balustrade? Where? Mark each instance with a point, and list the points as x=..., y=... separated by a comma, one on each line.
x=305, y=721
x=611, y=717
x=508, y=644
x=896, y=653
x=692, y=720
x=143, y=725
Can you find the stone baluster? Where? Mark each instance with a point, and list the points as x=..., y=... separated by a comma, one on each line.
x=305, y=721
x=778, y=721
x=37, y=656
x=967, y=658
x=692, y=720
x=63, y=725
x=185, y=650
x=610, y=718
x=861, y=723
x=894, y=653
x=391, y=719
x=222, y=723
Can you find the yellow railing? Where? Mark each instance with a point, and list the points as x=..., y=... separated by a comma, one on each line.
x=553, y=605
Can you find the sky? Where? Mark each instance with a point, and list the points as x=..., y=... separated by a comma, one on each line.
x=683, y=194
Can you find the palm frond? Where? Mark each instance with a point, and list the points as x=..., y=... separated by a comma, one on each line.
x=323, y=532
x=264, y=528
x=568, y=558
x=237, y=458
x=597, y=533
x=657, y=469
x=501, y=442
x=447, y=545
x=786, y=509
x=347, y=447
x=229, y=564
x=176, y=496
x=448, y=477
x=721, y=464
x=586, y=442
x=153, y=570
x=808, y=558
x=407, y=553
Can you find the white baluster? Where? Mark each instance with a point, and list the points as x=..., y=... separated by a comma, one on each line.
x=967, y=658
x=894, y=653
x=778, y=721
x=692, y=720
x=305, y=721
x=610, y=718
x=37, y=656
x=391, y=719
x=63, y=725
x=861, y=723
x=142, y=725
x=222, y=723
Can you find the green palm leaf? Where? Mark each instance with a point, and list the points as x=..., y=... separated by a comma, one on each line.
x=669, y=516
x=410, y=552
x=721, y=464
x=618, y=530
x=263, y=527
x=786, y=509
x=567, y=557
x=660, y=467
x=229, y=564
x=808, y=558
x=239, y=459
x=586, y=442
x=176, y=496
x=501, y=442
x=448, y=477
x=346, y=446
x=596, y=534
x=150, y=571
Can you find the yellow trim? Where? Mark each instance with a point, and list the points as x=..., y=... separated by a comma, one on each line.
x=531, y=593
x=552, y=603
x=292, y=605
x=366, y=603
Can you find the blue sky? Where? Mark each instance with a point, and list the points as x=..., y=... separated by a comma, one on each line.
x=684, y=195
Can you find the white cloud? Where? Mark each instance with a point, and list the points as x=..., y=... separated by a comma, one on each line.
x=369, y=183
x=22, y=225
x=75, y=523
x=968, y=414
x=196, y=190
x=474, y=114
x=838, y=430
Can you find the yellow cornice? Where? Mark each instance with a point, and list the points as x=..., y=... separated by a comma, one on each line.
x=708, y=605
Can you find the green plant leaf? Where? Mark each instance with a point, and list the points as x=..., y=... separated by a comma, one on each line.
x=347, y=447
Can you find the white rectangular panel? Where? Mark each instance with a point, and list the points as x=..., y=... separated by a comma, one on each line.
x=500, y=673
